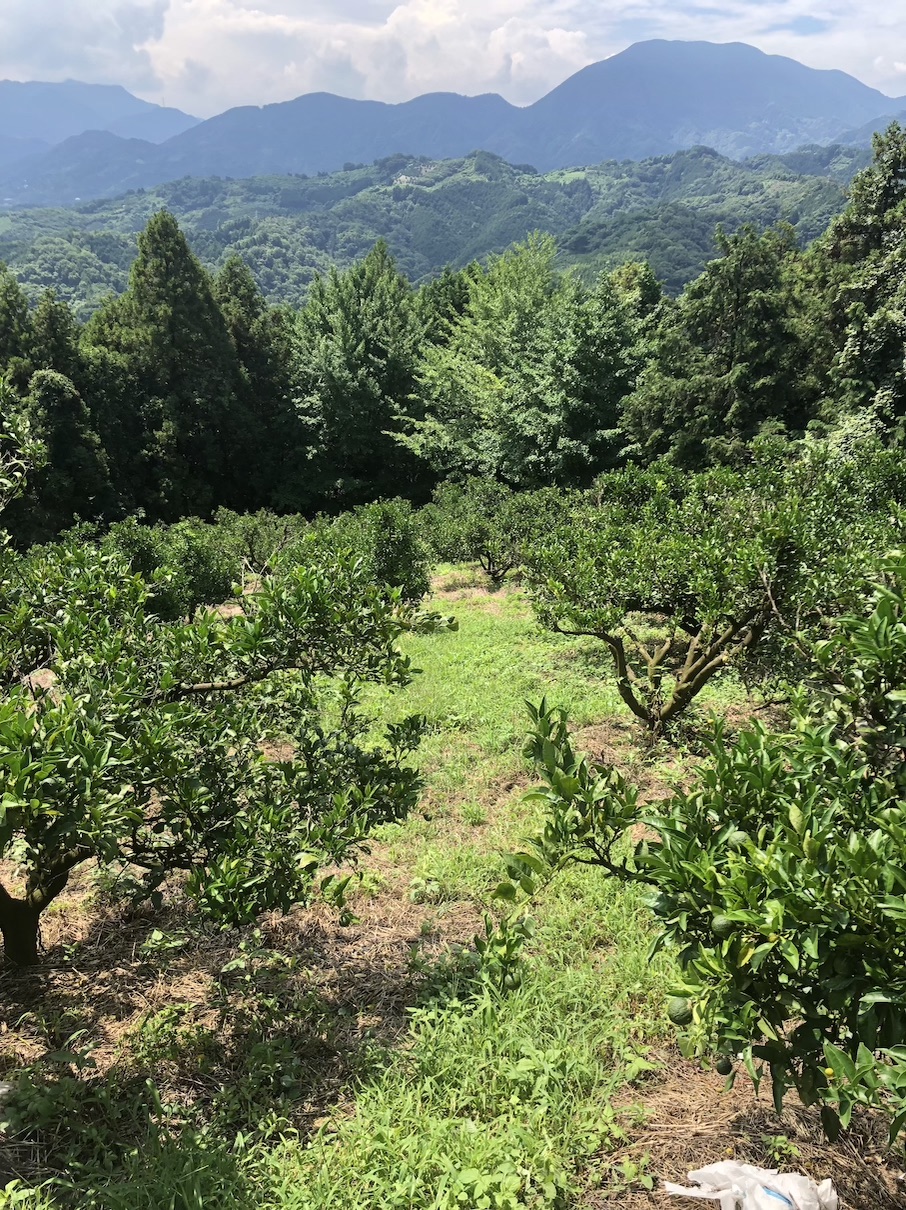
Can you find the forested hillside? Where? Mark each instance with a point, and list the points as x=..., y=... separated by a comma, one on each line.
x=435, y=214
x=189, y=392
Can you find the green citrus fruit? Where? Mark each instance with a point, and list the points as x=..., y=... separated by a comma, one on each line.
x=722, y=926
x=723, y=1066
x=679, y=1010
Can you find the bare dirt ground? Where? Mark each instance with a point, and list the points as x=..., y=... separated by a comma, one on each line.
x=685, y=1118
x=99, y=972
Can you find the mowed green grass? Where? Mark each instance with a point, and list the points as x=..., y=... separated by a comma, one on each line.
x=492, y=1100
x=472, y=685
x=500, y=1101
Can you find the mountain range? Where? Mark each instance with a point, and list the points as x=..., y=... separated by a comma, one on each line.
x=652, y=99
x=35, y=117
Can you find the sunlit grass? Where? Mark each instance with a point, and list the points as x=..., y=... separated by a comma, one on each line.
x=497, y=1101
x=506, y=1099
x=472, y=687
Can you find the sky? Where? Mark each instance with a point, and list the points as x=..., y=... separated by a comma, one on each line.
x=205, y=56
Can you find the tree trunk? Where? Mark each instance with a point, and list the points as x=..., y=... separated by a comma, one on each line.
x=19, y=928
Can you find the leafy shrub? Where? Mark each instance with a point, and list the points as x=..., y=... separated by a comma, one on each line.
x=387, y=538
x=260, y=539
x=779, y=879
x=487, y=522
x=683, y=580
x=440, y=526
x=188, y=564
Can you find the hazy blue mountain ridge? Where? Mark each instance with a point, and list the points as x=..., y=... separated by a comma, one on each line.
x=35, y=116
x=659, y=96
x=14, y=150
x=861, y=136
x=652, y=99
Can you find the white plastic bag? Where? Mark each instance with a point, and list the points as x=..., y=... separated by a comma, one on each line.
x=742, y=1187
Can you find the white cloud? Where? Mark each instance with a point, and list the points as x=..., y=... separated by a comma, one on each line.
x=258, y=52
x=100, y=41
x=205, y=55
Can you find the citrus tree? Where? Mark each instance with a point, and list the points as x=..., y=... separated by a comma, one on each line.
x=682, y=577
x=779, y=879
x=229, y=748
x=486, y=522
x=387, y=537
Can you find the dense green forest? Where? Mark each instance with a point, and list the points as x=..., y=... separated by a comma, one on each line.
x=296, y=915
x=434, y=215
x=189, y=392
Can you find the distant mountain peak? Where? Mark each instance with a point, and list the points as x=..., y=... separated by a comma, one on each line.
x=50, y=113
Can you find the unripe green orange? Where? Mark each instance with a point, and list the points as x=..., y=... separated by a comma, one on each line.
x=679, y=1010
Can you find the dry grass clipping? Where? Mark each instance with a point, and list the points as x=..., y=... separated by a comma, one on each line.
x=688, y=1119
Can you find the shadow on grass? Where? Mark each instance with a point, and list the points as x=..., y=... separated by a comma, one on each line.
x=99, y=1144
x=689, y=1118
x=149, y=1055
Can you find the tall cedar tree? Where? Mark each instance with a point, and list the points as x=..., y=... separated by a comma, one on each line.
x=359, y=337
x=726, y=357
x=55, y=339
x=263, y=340
x=175, y=353
x=72, y=482
x=121, y=407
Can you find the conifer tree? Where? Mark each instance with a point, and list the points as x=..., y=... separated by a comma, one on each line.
x=121, y=408
x=726, y=357
x=55, y=338
x=263, y=341
x=72, y=482
x=179, y=357
x=15, y=323
x=874, y=211
x=863, y=258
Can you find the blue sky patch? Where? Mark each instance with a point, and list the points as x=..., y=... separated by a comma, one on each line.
x=804, y=26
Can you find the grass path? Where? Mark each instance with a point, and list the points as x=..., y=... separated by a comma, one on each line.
x=494, y=1101
x=569, y=1091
